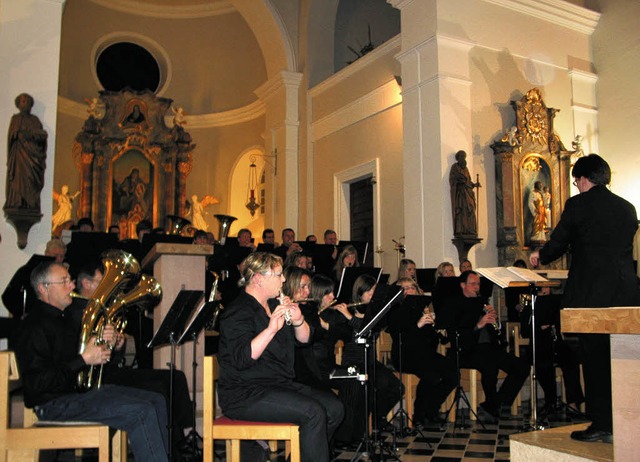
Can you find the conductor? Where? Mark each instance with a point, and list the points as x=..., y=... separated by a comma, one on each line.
x=597, y=229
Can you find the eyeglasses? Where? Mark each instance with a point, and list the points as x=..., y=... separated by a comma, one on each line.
x=65, y=281
x=269, y=273
x=575, y=182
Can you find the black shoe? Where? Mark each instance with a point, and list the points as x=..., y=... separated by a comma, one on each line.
x=436, y=419
x=493, y=412
x=592, y=435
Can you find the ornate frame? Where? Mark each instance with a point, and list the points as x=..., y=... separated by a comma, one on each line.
x=104, y=143
x=530, y=144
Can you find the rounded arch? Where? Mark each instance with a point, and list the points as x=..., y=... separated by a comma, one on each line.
x=238, y=186
x=271, y=34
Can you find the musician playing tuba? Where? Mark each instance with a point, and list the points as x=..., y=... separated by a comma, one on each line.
x=49, y=362
x=89, y=278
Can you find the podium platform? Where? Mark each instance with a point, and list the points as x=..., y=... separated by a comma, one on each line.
x=555, y=444
x=623, y=324
x=178, y=267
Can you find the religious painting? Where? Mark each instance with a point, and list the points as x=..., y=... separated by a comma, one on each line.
x=132, y=188
x=536, y=186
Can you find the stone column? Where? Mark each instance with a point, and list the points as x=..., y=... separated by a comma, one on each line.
x=280, y=95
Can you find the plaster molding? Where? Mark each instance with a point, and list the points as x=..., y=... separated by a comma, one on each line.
x=559, y=12
x=180, y=11
x=246, y=113
x=358, y=65
x=375, y=102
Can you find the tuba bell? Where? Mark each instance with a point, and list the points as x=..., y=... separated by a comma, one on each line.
x=177, y=224
x=225, y=223
x=120, y=268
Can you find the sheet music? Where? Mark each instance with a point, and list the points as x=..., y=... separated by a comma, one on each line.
x=510, y=275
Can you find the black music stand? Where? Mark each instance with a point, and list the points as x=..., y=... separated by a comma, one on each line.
x=198, y=322
x=348, y=278
x=381, y=303
x=171, y=329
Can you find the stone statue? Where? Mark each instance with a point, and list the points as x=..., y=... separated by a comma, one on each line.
x=178, y=116
x=196, y=212
x=26, y=159
x=65, y=205
x=463, y=201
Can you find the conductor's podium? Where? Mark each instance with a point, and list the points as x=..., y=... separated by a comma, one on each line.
x=623, y=324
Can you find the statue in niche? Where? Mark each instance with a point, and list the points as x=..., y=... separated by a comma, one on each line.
x=133, y=193
x=26, y=159
x=463, y=201
x=65, y=205
x=539, y=212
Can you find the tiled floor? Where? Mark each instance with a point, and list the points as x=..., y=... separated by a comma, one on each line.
x=449, y=444
x=473, y=442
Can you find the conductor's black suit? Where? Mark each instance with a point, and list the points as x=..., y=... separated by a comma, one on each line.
x=596, y=229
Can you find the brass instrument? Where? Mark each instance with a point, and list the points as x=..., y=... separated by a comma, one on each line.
x=177, y=224
x=224, y=222
x=77, y=295
x=106, y=306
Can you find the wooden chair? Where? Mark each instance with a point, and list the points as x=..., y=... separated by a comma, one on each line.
x=224, y=428
x=23, y=443
x=384, y=344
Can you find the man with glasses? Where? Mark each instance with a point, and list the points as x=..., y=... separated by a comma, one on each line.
x=157, y=380
x=47, y=352
x=597, y=228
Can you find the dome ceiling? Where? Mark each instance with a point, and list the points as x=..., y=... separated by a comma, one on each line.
x=208, y=57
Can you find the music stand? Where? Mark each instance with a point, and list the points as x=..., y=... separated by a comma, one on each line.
x=384, y=299
x=170, y=330
x=197, y=323
x=348, y=278
x=426, y=278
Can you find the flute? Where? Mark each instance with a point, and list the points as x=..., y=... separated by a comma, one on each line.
x=287, y=314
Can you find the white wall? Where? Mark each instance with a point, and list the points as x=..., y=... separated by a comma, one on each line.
x=29, y=61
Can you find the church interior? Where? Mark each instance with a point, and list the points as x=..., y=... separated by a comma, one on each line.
x=321, y=114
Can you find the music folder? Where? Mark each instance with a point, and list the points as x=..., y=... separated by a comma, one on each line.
x=173, y=324
x=203, y=314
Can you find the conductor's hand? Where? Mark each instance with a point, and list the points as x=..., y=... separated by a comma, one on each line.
x=534, y=258
x=96, y=354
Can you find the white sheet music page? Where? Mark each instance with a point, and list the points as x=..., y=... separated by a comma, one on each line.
x=505, y=276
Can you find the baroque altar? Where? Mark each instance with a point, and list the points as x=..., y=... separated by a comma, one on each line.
x=132, y=165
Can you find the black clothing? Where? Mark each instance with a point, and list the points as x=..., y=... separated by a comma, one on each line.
x=552, y=350
x=438, y=375
x=47, y=352
x=263, y=389
x=479, y=350
x=597, y=228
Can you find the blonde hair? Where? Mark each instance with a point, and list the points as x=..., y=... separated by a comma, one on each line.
x=441, y=267
x=410, y=281
x=257, y=263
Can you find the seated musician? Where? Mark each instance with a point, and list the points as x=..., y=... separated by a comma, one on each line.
x=348, y=257
x=551, y=349
x=258, y=334
x=313, y=362
x=47, y=352
x=470, y=323
x=157, y=380
x=412, y=327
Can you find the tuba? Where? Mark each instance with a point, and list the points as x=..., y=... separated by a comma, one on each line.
x=225, y=223
x=177, y=224
x=106, y=305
